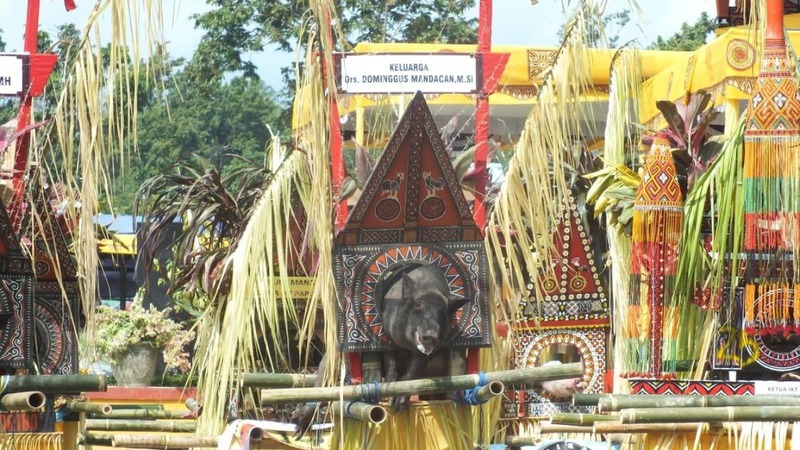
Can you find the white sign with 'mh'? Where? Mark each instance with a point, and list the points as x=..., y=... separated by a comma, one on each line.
x=442, y=73
x=11, y=74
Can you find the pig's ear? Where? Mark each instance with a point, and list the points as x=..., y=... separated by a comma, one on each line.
x=409, y=287
x=456, y=303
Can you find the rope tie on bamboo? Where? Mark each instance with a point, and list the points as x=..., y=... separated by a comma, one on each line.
x=347, y=406
x=470, y=396
x=371, y=392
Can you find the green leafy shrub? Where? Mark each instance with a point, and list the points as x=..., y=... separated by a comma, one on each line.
x=117, y=330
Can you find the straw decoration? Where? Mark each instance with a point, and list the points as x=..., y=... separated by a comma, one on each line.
x=772, y=187
x=625, y=85
x=657, y=224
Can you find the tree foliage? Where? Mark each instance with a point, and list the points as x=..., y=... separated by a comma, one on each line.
x=597, y=33
x=214, y=121
x=234, y=28
x=690, y=37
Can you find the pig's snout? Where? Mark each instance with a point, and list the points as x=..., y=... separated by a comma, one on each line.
x=564, y=388
x=426, y=342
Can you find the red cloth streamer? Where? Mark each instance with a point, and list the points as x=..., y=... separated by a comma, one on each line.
x=70, y=5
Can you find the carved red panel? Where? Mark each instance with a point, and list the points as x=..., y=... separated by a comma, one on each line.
x=413, y=193
x=55, y=315
x=412, y=210
x=16, y=299
x=573, y=294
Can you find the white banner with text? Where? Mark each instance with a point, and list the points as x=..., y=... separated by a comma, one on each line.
x=406, y=73
x=12, y=76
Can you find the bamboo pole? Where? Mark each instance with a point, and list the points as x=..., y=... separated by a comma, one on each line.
x=713, y=428
x=277, y=380
x=162, y=441
x=490, y=391
x=57, y=384
x=619, y=402
x=364, y=412
x=552, y=429
x=616, y=427
x=579, y=399
x=711, y=414
x=256, y=433
x=146, y=414
x=482, y=395
x=421, y=387
x=519, y=441
x=581, y=419
x=100, y=409
x=22, y=401
x=174, y=426
x=135, y=441
x=95, y=439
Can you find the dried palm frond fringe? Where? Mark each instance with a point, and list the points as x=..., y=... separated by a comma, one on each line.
x=95, y=121
x=626, y=81
x=426, y=425
x=529, y=202
x=315, y=139
x=259, y=307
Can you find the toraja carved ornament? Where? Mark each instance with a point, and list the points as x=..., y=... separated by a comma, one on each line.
x=574, y=312
x=772, y=160
x=571, y=289
x=16, y=300
x=57, y=305
x=740, y=54
x=360, y=269
x=530, y=346
x=691, y=387
x=657, y=225
x=412, y=210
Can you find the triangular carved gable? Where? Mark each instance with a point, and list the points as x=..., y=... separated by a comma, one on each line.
x=413, y=193
x=572, y=289
x=412, y=210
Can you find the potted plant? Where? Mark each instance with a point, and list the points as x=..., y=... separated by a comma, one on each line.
x=130, y=340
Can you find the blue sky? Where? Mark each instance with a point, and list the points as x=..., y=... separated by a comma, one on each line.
x=516, y=22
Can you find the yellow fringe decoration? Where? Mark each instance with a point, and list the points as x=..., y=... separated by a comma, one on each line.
x=31, y=441
x=434, y=425
x=657, y=225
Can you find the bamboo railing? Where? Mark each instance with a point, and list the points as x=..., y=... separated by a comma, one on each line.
x=421, y=386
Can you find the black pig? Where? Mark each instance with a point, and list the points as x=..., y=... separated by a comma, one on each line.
x=416, y=315
x=416, y=310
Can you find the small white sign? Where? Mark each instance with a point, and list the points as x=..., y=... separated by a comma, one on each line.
x=406, y=73
x=778, y=388
x=11, y=74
